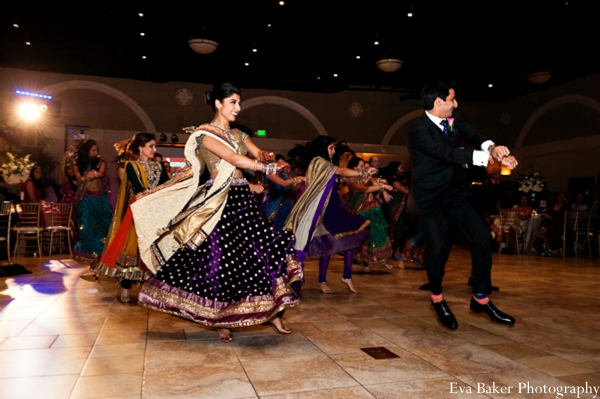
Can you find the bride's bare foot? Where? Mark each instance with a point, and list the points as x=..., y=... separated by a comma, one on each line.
x=225, y=335
x=348, y=282
x=279, y=327
x=325, y=288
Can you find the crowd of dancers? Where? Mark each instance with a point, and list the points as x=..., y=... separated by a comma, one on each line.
x=223, y=242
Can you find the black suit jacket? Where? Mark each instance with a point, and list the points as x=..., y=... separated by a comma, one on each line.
x=437, y=161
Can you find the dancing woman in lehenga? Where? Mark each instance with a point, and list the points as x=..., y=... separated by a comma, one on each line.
x=321, y=225
x=279, y=197
x=365, y=202
x=94, y=212
x=217, y=259
x=120, y=258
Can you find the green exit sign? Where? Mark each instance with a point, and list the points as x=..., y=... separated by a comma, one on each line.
x=261, y=133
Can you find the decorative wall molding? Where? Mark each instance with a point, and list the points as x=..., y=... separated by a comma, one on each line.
x=60, y=87
x=568, y=99
x=276, y=100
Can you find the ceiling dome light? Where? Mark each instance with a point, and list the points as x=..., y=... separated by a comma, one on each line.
x=539, y=77
x=203, y=46
x=389, y=64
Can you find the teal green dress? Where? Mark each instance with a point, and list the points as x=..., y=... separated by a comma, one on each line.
x=378, y=248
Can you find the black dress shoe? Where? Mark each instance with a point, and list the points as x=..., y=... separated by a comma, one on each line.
x=472, y=281
x=445, y=315
x=495, y=314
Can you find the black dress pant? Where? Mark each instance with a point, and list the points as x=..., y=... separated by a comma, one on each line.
x=456, y=209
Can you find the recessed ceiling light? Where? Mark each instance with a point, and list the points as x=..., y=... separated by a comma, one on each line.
x=410, y=14
x=141, y=14
x=142, y=34
x=15, y=25
x=144, y=57
x=247, y=64
x=281, y=3
x=318, y=78
x=28, y=43
x=269, y=25
x=490, y=85
x=376, y=43
x=335, y=75
x=358, y=57
x=254, y=50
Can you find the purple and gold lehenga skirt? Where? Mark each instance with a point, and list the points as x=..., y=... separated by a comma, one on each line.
x=243, y=274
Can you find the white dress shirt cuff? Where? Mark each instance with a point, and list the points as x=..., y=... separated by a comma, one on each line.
x=481, y=158
x=486, y=145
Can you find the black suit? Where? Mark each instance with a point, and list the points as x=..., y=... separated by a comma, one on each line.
x=437, y=196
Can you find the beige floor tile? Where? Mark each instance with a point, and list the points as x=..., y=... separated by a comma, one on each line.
x=514, y=350
x=370, y=323
x=105, y=386
x=61, y=327
x=270, y=377
x=437, y=388
x=523, y=384
x=325, y=326
x=113, y=365
x=121, y=337
x=276, y=347
x=74, y=340
x=346, y=341
x=555, y=366
x=137, y=349
x=300, y=315
x=368, y=371
x=42, y=362
x=592, y=365
x=10, y=313
x=15, y=343
x=300, y=328
x=224, y=380
x=54, y=387
x=12, y=328
x=575, y=349
x=339, y=393
x=466, y=359
x=580, y=380
x=420, y=336
x=171, y=354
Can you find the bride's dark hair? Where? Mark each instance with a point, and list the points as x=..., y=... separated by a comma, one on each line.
x=221, y=91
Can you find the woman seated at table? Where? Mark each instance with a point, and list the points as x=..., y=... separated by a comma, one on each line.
x=552, y=226
x=34, y=186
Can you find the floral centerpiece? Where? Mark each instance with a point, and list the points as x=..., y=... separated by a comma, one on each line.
x=532, y=181
x=16, y=169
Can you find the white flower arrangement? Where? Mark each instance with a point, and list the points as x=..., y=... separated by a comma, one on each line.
x=16, y=170
x=532, y=181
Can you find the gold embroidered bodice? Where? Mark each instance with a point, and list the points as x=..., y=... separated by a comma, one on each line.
x=153, y=170
x=235, y=136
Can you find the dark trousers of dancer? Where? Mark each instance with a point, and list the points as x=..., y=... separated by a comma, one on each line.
x=324, y=264
x=456, y=209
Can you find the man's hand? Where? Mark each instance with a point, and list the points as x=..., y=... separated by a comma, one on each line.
x=510, y=162
x=499, y=152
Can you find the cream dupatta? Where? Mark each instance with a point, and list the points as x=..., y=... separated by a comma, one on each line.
x=180, y=213
x=300, y=220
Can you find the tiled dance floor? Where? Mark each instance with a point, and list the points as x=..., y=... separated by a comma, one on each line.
x=64, y=335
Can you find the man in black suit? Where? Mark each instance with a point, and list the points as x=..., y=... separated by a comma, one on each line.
x=437, y=195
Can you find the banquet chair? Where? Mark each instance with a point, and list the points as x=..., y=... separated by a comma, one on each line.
x=5, y=218
x=60, y=225
x=582, y=239
x=569, y=235
x=509, y=218
x=28, y=229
